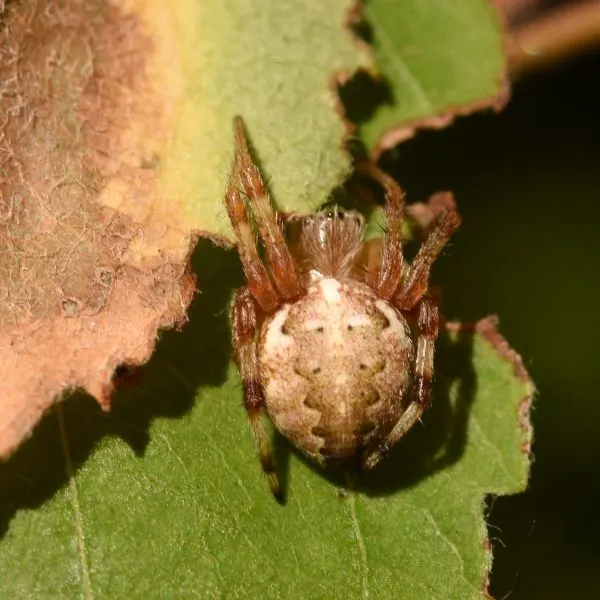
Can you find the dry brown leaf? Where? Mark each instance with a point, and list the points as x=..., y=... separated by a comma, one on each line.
x=83, y=286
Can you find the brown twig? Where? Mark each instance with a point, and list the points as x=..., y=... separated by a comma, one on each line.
x=516, y=11
x=558, y=34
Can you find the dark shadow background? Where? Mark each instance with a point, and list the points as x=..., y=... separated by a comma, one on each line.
x=527, y=183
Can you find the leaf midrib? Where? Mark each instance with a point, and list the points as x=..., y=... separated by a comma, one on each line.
x=86, y=580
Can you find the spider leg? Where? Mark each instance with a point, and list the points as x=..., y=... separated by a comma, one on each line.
x=285, y=276
x=414, y=284
x=428, y=325
x=256, y=273
x=385, y=278
x=244, y=327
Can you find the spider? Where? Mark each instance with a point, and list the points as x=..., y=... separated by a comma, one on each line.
x=338, y=352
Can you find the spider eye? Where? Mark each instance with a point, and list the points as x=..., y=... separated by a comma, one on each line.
x=335, y=213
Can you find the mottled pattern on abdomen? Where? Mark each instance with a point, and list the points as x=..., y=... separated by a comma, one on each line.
x=336, y=368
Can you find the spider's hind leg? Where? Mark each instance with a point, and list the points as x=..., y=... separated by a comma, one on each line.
x=244, y=329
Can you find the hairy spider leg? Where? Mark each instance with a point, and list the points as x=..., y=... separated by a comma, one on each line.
x=244, y=329
x=256, y=273
x=427, y=328
x=384, y=278
x=282, y=265
x=415, y=283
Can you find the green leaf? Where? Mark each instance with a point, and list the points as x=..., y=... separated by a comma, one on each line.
x=164, y=496
x=438, y=59
x=276, y=67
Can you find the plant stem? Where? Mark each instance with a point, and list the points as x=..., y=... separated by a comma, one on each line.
x=555, y=36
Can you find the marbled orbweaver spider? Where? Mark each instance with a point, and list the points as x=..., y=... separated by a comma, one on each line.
x=338, y=352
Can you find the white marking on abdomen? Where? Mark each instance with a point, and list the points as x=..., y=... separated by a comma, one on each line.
x=312, y=324
x=330, y=288
x=341, y=379
x=391, y=315
x=358, y=321
x=275, y=340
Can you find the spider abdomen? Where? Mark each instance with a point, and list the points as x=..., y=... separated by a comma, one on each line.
x=335, y=368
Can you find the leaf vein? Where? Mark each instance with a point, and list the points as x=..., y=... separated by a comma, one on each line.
x=500, y=458
x=400, y=67
x=454, y=549
x=362, y=550
x=88, y=592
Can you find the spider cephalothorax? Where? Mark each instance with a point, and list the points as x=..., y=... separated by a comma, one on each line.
x=337, y=347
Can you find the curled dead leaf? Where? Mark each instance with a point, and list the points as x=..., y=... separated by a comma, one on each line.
x=90, y=269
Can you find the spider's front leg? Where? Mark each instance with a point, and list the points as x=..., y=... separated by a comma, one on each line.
x=283, y=269
x=416, y=281
x=420, y=398
x=267, y=288
x=385, y=277
x=257, y=276
x=245, y=315
x=410, y=296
